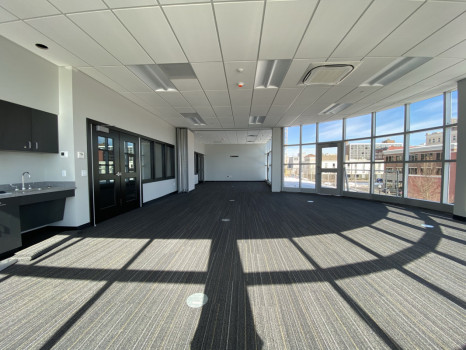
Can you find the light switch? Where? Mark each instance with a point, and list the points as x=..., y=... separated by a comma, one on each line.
x=80, y=154
x=63, y=173
x=83, y=172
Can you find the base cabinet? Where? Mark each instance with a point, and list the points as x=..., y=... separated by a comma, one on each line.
x=10, y=227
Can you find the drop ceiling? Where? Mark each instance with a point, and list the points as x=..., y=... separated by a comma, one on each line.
x=223, y=41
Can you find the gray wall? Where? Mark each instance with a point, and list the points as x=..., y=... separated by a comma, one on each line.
x=248, y=166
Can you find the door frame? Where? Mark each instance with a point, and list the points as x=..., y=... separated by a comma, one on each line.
x=338, y=170
x=90, y=129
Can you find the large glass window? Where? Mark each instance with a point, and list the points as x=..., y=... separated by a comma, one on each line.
x=358, y=127
x=415, y=161
x=291, y=136
x=390, y=121
x=330, y=131
x=291, y=166
x=309, y=133
x=426, y=114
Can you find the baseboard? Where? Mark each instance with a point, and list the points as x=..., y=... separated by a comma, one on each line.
x=459, y=218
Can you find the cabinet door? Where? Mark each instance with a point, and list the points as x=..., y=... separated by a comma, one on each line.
x=15, y=127
x=44, y=132
x=10, y=234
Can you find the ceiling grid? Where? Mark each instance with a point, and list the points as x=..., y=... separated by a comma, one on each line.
x=224, y=41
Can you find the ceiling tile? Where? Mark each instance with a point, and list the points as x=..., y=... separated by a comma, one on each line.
x=241, y=97
x=296, y=71
x=218, y=98
x=26, y=36
x=330, y=96
x=187, y=84
x=185, y=110
x=397, y=43
x=447, y=37
x=381, y=18
x=239, y=27
x=366, y=69
x=68, y=6
x=211, y=75
x=172, y=2
x=129, y=3
x=102, y=78
x=240, y=111
x=276, y=111
x=66, y=33
x=191, y=22
x=223, y=111
x=29, y=8
x=152, y=99
x=150, y=28
x=457, y=51
x=285, y=97
x=246, y=75
x=174, y=98
x=227, y=123
x=263, y=97
x=280, y=38
x=196, y=98
x=5, y=16
x=205, y=112
x=259, y=110
x=358, y=94
x=124, y=77
x=323, y=35
x=104, y=27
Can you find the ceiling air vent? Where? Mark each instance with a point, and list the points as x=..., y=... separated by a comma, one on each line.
x=326, y=73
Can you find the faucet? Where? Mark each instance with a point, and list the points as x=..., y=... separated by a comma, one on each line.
x=22, y=180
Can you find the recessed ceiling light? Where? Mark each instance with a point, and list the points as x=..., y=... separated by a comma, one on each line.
x=42, y=46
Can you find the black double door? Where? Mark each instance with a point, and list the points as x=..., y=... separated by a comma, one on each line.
x=116, y=173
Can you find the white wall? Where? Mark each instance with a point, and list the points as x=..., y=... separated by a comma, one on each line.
x=154, y=190
x=28, y=80
x=249, y=166
x=94, y=101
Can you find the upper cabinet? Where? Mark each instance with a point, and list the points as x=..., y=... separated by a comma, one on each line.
x=27, y=129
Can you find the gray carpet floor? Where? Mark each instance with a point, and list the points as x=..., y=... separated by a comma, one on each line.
x=279, y=273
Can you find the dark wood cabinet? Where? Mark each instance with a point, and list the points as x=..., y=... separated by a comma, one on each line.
x=44, y=131
x=27, y=129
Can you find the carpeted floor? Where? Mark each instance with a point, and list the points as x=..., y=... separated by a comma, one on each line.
x=279, y=273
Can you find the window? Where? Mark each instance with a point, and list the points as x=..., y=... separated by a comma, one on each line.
x=426, y=114
x=390, y=121
x=309, y=133
x=358, y=127
x=147, y=169
x=157, y=161
x=291, y=135
x=331, y=131
x=169, y=161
